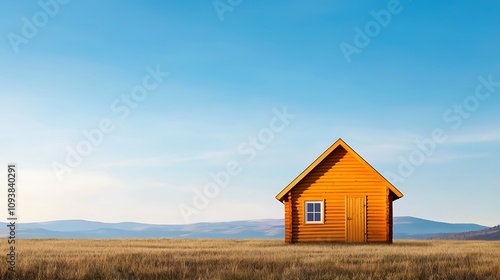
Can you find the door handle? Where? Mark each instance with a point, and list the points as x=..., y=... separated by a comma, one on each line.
x=349, y=218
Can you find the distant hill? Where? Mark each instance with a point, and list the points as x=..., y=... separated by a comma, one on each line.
x=492, y=233
x=404, y=228
x=271, y=228
x=416, y=228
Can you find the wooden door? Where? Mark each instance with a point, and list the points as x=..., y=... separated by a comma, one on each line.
x=355, y=211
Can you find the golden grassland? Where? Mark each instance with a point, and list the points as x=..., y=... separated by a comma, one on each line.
x=251, y=259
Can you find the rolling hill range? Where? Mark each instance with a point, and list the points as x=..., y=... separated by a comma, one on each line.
x=404, y=228
x=492, y=233
x=416, y=228
x=87, y=229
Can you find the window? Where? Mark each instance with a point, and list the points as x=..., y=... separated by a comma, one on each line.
x=314, y=212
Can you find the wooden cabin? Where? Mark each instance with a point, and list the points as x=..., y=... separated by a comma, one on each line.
x=339, y=198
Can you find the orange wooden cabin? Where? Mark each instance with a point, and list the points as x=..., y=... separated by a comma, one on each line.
x=340, y=198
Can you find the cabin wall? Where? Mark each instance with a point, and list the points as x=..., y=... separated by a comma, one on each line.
x=337, y=176
x=390, y=200
x=288, y=218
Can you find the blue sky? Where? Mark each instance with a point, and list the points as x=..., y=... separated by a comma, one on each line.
x=232, y=66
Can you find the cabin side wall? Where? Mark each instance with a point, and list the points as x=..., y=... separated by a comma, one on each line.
x=288, y=218
x=337, y=176
x=390, y=199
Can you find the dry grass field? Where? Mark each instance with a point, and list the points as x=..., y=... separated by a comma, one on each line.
x=252, y=259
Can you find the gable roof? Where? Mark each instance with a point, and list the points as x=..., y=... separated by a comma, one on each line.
x=332, y=148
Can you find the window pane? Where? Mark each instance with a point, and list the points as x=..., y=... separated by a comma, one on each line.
x=317, y=207
x=317, y=217
x=310, y=217
x=310, y=207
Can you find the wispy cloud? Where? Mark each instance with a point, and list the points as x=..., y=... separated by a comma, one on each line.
x=475, y=138
x=213, y=156
x=454, y=157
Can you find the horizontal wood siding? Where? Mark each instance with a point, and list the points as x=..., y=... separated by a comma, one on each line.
x=337, y=176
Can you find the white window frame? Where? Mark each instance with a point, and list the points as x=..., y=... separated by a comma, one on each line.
x=322, y=211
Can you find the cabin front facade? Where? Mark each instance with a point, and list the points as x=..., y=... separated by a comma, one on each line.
x=339, y=198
